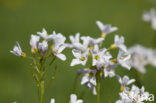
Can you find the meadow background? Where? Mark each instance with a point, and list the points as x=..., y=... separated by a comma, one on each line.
x=21, y=18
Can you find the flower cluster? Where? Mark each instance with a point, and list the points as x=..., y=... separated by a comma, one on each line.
x=150, y=17
x=97, y=61
x=45, y=49
x=55, y=40
x=142, y=56
x=133, y=95
x=86, y=48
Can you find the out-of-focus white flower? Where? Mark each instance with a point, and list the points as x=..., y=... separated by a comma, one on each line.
x=33, y=42
x=58, y=45
x=124, y=59
x=154, y=23
x=142, y=56
x=81, y=57
x=105, y=29
x=52, y=100
x=43, y=46
x=89, y=80
x=73, y=99
x=119, y=43
x=17, y=50
x=135, y=95
x=45, y=35
x=150, y=17
x=125, y=81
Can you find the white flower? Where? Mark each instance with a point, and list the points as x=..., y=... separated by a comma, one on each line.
x=58, y=45
x=17, y=50
x=33, y=42
x=125, y=81
x=73, y=99
x=109, y=72
x=124, y=59
x=119, y=43
x=150, y=17
x=90, y=42
x=58, y=38
x=52, y=100
x=109, y=69
x=75, y=41
x=89, y=80
x=142, y=56
x=81, y=58
x=45, y=35
x=105, y=29
x=135, y=95
x=100, y=57
x=43, y=46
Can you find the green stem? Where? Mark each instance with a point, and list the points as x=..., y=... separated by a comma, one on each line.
x=48, y=67
x=41, y=81
x=42, y=91
x=98, y=87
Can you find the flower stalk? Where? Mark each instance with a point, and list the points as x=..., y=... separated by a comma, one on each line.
x=98, y=86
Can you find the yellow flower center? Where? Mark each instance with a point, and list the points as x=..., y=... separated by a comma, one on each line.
x=103, y=35
x=114, y=61
x=24, y=55
x=91, y=47
x=82, y=58
x=113, y=46
x=34, y=50
x=122, y=88
x=97, y=57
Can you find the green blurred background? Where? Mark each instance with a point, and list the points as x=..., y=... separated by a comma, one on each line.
x=21, y=18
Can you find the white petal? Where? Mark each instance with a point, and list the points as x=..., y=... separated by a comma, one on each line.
x=75, y=62
x=79, y=101
x=76, y=53
x=93, y=81
x=130, y=81
x=100, y=25
x=52, y=100
x=61, y=56
x=61, y=48
x=94, y=91
x=73, y=98
x=84, y=79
